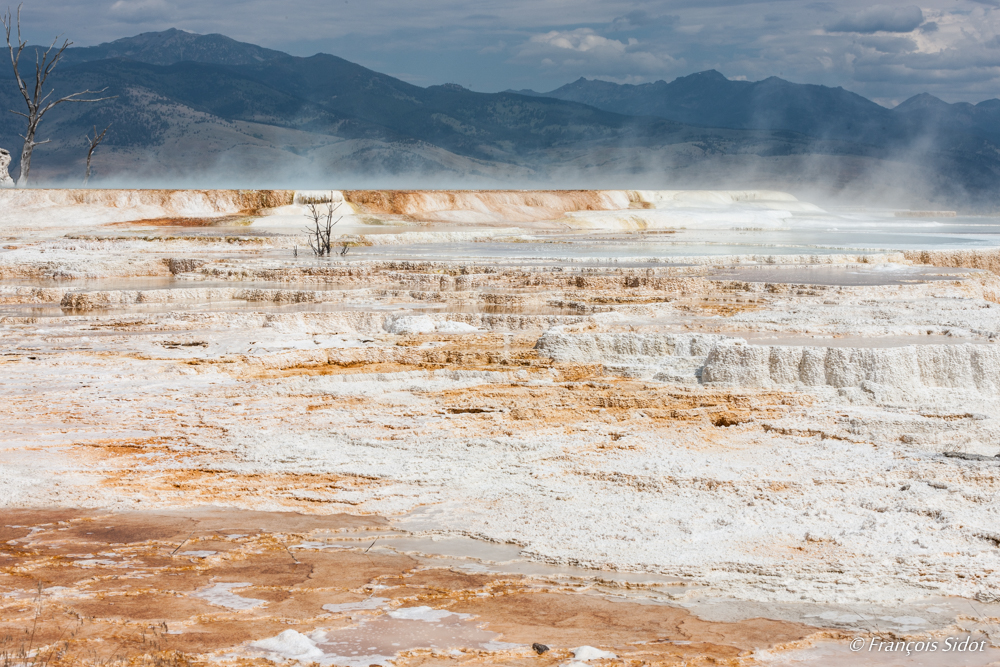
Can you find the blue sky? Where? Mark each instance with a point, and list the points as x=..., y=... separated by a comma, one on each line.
x=887, y=52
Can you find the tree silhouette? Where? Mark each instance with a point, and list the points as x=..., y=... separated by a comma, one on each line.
x=94, y=141
x=35, y=98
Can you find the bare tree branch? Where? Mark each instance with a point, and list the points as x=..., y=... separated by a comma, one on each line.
x=322, y=227
x=37, y=100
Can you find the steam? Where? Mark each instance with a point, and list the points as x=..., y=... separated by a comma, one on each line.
x=903, y=181
x=919, y=175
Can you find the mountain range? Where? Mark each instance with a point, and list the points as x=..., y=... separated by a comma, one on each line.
x=710, y=99
x=205, y=109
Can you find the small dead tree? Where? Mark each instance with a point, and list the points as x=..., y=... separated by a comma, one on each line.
x=37, y=100
x=94, y=142
x=322, y=226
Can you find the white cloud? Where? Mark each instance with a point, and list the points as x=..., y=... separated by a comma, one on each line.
x=586, y=53
x=550, y=43
x=959, y=51
x=582, y=39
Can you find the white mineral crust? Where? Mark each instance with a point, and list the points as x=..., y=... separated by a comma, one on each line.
x=5, y=180
x=764, y=437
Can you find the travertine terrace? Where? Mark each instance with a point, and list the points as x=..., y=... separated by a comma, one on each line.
x=747, y=424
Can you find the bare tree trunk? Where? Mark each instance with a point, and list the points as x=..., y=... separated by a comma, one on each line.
x=37, y=100
x=94, y=143
x=29, y=145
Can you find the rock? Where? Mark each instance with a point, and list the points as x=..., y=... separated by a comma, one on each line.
x=183, y=265
x=966, y=456
x=5, y=180
x=540, y=648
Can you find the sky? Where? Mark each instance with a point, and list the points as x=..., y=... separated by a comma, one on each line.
x=887, y=52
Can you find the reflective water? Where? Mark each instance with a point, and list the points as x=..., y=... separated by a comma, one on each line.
x=877, y=274
x=378, y=640
x=852, y=232
x=479, y=556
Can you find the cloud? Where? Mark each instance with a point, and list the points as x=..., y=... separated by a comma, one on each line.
x=880, y=18
x=457, y=40
x=642, y=19
x=581, y=39
x=494, y=48
x=140, y=11
x=828, y=7
x=889, y=43
x=584, y=52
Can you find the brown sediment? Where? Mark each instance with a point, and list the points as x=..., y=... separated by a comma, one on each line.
x=717, y=307
x=636, y=632
x=254, y=201
x=129, y=585
x=192, y=487
x=221, y=221
x=481, y=351
x=245, y=201
x=171, y=470
x=512, y=205
x=618, y=401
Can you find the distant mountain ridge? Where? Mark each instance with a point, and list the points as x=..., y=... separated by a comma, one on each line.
x=174, y=46
x=328, y=96
x=709, y=99
x=206, y=104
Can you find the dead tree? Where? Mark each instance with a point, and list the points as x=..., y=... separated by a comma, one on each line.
x=322, y=227
x=37, y=100
x=94, y=142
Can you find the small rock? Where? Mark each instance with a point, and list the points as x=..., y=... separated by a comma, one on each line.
x=966, y=456
x=540, y=648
